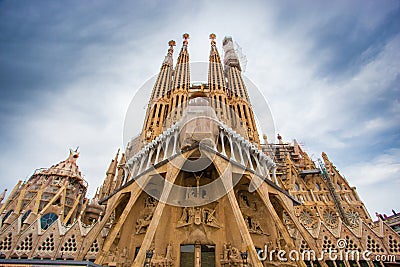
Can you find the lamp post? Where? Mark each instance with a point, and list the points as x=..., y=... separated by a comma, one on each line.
x=244, y=258
x=149, y=255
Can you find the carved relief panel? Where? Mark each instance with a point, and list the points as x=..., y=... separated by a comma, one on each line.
x=249, y=206
x=143, y=222
x=198, y=216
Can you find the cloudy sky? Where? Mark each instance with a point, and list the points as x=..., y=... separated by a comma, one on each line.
x=329, y=71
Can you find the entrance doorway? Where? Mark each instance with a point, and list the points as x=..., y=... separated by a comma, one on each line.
x=208, y=255
x=187, y=256
x=197, y=255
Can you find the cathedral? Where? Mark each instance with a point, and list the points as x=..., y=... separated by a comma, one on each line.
x=200, y=186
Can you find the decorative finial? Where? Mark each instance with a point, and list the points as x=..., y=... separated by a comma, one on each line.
x=171, y=43
x=171, y=47
x=73, y=154
x=185, y=38
x=212, y=38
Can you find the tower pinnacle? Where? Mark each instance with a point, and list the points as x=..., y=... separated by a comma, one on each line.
x=231, y=58
x=185, y=38
x=214, y=56
x=212, y=38
x=171, y=43
x=168, y=58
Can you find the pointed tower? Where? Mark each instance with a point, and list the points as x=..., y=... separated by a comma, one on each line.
x=217, y=84
x=181, y=84
x=164, y=78
x=159, y=101
x=240, y=102
x=110, y=183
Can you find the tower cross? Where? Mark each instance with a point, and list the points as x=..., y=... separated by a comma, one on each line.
x=185, y=38
x=212, y=38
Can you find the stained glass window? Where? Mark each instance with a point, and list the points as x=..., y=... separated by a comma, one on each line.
x=47, y=220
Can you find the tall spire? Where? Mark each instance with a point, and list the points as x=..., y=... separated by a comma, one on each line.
x=158, y=105
x=109, y=183
x=240, y=98
x=216, y=82
x=165, y=76
x=181, y=84
x=233, y=69
x=230, y=58
x=216, y=79
x=182, y=72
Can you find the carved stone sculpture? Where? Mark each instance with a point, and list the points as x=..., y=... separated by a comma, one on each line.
x=143, y=223
x=198, y=216
x=231, y=255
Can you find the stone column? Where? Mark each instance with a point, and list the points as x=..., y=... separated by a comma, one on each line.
x=197, y=255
